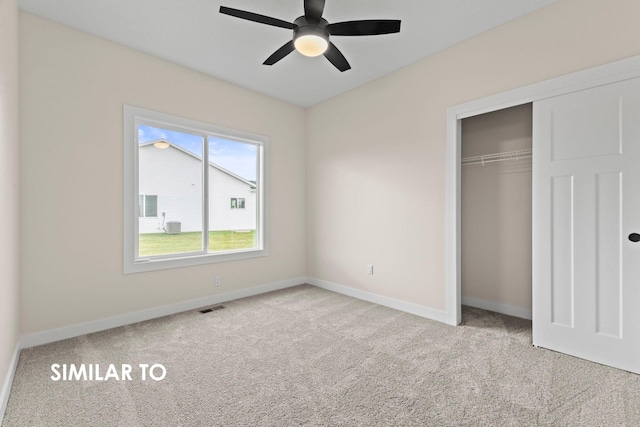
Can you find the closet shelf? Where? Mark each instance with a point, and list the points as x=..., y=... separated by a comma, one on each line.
x=497, y=157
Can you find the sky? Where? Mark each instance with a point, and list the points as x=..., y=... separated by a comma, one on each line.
x=237, y=157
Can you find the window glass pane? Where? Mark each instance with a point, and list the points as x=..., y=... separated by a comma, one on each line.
x=151, y=206
x=233, y=207
x=170, y=177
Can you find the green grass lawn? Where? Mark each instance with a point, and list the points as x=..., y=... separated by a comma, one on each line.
x=162, y=243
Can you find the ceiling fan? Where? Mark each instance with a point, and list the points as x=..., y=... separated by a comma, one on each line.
x=311, y=32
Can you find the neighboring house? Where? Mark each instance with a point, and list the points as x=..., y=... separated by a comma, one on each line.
x=170, y=189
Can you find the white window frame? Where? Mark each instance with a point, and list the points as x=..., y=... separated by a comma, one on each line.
x=134, y=264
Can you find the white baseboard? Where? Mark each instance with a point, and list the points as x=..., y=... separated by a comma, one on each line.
x=407, y=307
x=6, y=387
x=511, y=310
x=77, y=330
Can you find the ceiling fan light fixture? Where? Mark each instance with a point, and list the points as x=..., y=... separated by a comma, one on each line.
x=311, y=45
x=310, y=40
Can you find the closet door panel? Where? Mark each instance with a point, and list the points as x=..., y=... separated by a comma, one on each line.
x=562, y=267
x=586, y=201
x=608, y=256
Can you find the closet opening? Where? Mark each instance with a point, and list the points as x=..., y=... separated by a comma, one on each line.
x=496, y=213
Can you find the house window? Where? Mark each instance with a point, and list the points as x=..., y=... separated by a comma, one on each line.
x=237, y=203
x=179, y=177
x=148, y=206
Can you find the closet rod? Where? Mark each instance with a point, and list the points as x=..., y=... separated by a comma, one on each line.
x=497, y=157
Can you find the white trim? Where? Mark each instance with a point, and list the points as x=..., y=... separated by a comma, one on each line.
x=510, y=310
x=452, y=222
x=52, y=335
x=6, y=388
x=407, y=307
x=597, y=76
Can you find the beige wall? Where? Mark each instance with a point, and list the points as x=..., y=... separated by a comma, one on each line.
x=496, y=209
x=376, y=155
x=72, y=89
x=9, y=239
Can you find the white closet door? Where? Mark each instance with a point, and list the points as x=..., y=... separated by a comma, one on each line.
x=586, y=207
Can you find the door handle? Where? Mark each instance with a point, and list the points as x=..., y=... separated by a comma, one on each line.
x=634, y=237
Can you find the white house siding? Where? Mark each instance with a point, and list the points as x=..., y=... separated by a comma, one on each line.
x=176, y=178
x=223, y=187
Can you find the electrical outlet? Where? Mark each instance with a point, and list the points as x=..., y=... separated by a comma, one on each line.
x=217, y=281
x=370, y=269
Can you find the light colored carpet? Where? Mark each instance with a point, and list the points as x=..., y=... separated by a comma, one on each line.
x=306, y=356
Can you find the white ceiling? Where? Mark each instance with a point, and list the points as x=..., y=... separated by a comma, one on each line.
x=194, y=34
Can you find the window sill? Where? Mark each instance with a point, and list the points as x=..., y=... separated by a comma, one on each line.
x=153, y=264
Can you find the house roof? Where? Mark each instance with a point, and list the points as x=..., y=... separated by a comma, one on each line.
x=252, y=184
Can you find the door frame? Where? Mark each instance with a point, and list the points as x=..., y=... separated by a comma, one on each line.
x=592, y=77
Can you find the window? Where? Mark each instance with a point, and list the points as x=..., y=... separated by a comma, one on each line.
x=180, y=175
x=237, y=203
x=148, y=206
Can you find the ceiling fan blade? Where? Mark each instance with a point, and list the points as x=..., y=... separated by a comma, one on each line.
x=285, y=50
x=337, y=58
x=313, y=9
x=250, y=16
x=369, y=27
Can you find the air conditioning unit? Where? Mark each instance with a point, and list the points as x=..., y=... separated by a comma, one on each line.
x=173, y=227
